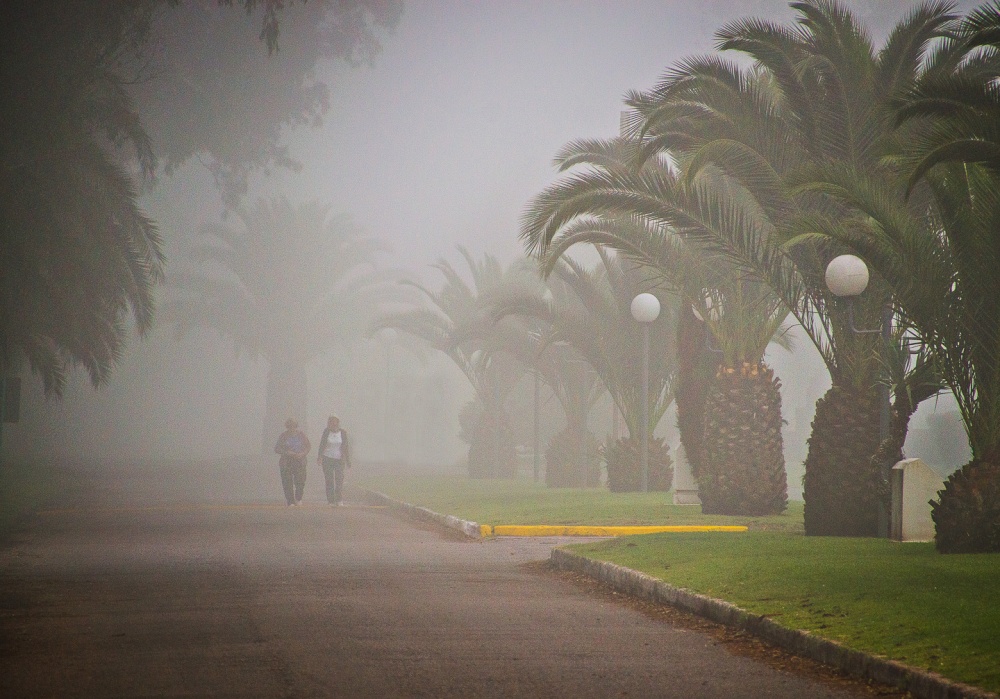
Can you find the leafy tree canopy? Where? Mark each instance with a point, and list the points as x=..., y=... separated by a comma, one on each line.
x=98, y=99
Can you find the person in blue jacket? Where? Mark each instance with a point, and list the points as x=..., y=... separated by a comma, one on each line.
x=293, y=446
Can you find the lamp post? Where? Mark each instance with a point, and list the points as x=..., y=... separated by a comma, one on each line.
x=847, y=277
x=389, y=336
x=536, y=445
x=645, y=309
x=537, y=440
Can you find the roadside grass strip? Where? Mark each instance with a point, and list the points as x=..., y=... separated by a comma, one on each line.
x=525, y=503
x=902, y=602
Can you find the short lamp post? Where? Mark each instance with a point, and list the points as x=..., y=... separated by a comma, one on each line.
x=847, y=277
x=645, y=309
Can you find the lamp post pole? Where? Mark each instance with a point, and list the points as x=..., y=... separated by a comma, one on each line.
x=388, y=338
x=537, y=446
x=847, y=277
x=645, y=407
x=645, y=309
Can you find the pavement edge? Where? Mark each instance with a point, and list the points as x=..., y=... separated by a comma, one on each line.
x=920, y=683
x=473, y=530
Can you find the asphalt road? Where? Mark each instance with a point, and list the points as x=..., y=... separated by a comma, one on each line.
x=122, y=595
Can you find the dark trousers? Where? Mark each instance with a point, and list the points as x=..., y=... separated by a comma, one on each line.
x=293, y=477
x=333, y=469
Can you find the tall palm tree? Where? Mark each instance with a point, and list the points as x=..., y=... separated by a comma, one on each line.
x=458, y=323
x=938, y=251
x=816, y=94
x=289, y=283
x=79, y=259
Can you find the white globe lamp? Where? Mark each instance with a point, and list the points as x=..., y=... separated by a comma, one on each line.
x=645, y=308
x=847, y=275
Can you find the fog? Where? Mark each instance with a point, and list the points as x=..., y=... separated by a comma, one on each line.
x=441, y=141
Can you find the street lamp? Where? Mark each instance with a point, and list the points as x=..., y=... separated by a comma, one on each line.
x=536, y=445
x=645, y=309
x=847, y=277
x=389, y=337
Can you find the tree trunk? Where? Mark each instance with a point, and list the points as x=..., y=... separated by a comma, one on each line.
x=492, y=452
x=743, y=466
x=287, y=397
x=572, y=459
x=695, y=367
x=840, y=487
x=967, y=517
x=625, y=465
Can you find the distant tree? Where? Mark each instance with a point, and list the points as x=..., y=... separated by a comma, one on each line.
x=208, y=88
x=591, y=313
x=456, y=320
x=288, y=284
x=98, y=98
x=572, y=457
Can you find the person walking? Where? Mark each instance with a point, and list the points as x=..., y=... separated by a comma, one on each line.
x=293, y=445
x=334, y=455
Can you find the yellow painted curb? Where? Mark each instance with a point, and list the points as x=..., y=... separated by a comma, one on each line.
x=574, y=530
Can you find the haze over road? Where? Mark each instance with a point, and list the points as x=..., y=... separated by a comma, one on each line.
x=131, y=598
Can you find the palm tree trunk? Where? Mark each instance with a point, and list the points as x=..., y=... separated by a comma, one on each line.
x=492, y=452
x=840, y=487
x=694, y=371
x=287, y=396
x=743, y=466
x=572, y=459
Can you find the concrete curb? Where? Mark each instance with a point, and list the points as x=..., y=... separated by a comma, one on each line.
x=470, y=529
x=922, y=684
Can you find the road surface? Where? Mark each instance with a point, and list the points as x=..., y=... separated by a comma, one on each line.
x=123, y=594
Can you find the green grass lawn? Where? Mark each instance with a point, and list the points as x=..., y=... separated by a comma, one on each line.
x=525, y=502
x=902, y=601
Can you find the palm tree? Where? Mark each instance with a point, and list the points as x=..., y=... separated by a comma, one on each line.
x=816, y=94
x=587, y=334
x=79, y=259
x=742, y=468
x=572, y=457
x=938, y=252
x=458, y=323
x=288, y=284
x=641, y=211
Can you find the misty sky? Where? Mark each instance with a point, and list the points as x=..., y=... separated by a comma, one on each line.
x=452, y=131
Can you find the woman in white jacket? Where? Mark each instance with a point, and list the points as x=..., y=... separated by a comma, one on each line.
x=334, y=455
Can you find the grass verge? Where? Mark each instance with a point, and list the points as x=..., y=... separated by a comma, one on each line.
x=900, y=601
x=526, y=502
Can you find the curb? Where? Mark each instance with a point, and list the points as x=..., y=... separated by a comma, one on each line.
x=470, y=529
x=920, y=683
x=475, y=530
